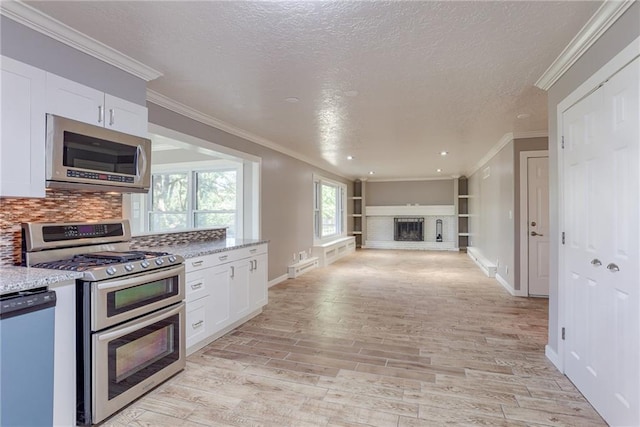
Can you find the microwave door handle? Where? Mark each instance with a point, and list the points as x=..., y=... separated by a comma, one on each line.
x=141, y=157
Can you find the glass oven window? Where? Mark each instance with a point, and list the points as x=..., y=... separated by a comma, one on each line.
x=140, y=354
x=137, y=296
x=84, y=152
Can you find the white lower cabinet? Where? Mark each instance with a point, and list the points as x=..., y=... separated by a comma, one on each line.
x=222, y=290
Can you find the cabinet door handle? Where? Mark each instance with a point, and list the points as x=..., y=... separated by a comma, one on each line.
x=197, y=263
x=100, y=113
x=196, y=285
x=255, y=264
x=223, y=257
x=233, y=272
x=112, y=116
x=198, y=324
x=596, y=262
x=253, y=251
x=613, y=268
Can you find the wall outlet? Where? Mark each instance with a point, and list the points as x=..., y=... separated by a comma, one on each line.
x=506, y=269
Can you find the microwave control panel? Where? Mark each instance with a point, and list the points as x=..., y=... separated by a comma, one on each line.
x=72, y=173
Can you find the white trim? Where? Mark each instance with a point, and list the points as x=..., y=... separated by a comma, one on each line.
x=50, y=27
x=184, y=110
x=277, y=280
x=600, y=22
x=505, y=284
x=413, y=179
x=553, y=357
x=626, y=55
x=524, y=223
x=424, y=210
x=506, y=138
x=318, y=241
x=485, y=265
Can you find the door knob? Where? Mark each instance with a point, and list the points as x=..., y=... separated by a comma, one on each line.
x=533, y=233
x=596, y=262
x=613, y=268
x=533, y=223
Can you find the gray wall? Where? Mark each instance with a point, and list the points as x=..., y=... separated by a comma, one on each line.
x=395, y=193
x=624, y=31
x=287, y=188
x=491, y=211
x=524, y=144
x=28, y=46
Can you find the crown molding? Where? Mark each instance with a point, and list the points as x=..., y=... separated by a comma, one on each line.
x=448, y=178
x=600, y=22
x=184, y=110
x=506, y=138
x=42, y=23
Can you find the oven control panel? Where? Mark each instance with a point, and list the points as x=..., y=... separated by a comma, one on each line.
x=54, y=233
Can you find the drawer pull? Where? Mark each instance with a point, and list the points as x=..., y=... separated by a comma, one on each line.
x=196, y=285
x=223, y=257
x=198, y=324
x=253, y=251
x=197, y=263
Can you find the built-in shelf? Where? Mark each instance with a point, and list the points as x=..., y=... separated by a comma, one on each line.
x=356, y=232
x=358, y=210
x=357, y=215
x=356, y=198
x=463, y=213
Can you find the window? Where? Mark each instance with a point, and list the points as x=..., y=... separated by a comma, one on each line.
x=205, y=198
x=329, y=202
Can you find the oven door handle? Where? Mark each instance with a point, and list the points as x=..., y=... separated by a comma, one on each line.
x=142, y=323
x=142, y=279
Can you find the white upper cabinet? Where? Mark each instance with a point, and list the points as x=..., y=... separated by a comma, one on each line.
x=75, y=101
x=22, y=130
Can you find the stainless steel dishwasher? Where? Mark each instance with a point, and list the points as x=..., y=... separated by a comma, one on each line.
x=26, y=358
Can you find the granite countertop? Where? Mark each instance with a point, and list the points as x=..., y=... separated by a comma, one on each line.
x=14, y=279
x=196, y=249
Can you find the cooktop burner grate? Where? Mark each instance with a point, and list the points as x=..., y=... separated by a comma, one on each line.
x=84, y=262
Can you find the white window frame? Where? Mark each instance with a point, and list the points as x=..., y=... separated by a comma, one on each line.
x=191, y=169
x=318, y=181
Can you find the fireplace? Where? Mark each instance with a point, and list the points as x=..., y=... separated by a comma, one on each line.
x=408, y=229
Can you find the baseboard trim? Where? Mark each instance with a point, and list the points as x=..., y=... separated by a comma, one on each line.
x=505, y=284
x=553, y=357
x=278, y=280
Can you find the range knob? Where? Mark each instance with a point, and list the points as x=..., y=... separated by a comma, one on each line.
x=172, y=258
x=159, y=261
x=111, y=271
x=144, y=264
x=128, y=267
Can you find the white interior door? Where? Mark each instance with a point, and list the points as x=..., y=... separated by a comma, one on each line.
x=538, y=225
x=601, y=271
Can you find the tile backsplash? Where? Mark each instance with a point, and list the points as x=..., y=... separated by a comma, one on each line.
x=178, y=238
x=57, y=206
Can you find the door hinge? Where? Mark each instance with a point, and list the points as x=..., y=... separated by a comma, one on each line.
x=563, y=237
x=563, y=334
x=563, y=142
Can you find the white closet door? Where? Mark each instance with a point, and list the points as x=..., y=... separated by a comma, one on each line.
x=602, y=274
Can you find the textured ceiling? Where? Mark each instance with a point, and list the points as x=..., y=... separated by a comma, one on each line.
x=390, y=83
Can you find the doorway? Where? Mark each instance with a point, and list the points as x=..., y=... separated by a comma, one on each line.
x=534, y=223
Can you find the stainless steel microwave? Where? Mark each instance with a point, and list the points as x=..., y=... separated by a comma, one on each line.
x=88, y=157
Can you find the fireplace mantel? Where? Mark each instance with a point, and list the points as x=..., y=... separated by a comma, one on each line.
x=412, y=210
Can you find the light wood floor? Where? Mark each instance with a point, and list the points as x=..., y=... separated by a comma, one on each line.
x=380, y=338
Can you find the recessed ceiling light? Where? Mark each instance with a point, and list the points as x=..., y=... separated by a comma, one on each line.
x=444, y=153
x=371, y=172
x=438, y=170
x=349, y=157
x=292, y=99
x=523, y=116
x=351, y=93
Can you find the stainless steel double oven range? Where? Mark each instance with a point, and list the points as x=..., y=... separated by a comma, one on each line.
x=130, y=313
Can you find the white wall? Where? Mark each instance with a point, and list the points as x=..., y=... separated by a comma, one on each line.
x=491, y=204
